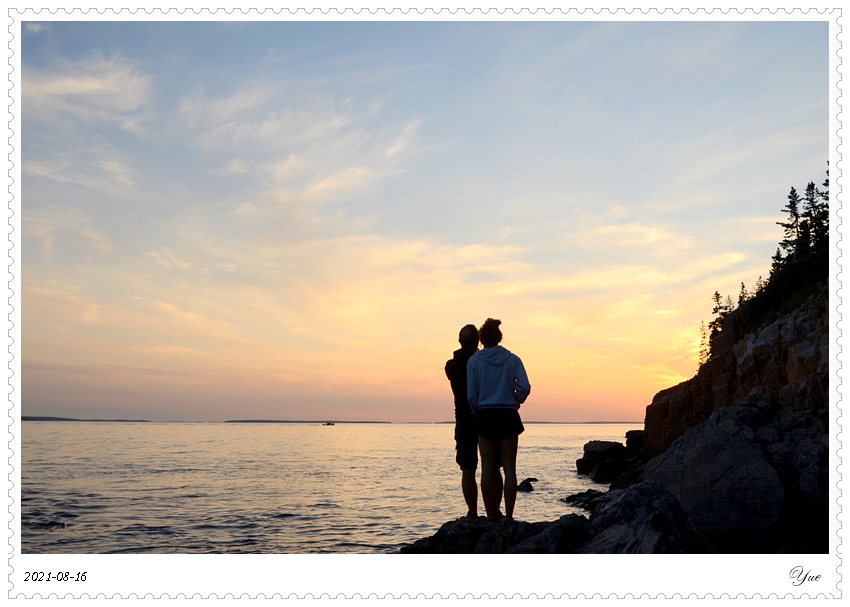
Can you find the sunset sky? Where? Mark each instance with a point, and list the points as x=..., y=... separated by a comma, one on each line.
x=293, y=220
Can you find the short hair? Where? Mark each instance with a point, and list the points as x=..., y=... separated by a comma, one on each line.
x=468, y=336
x=490, y=334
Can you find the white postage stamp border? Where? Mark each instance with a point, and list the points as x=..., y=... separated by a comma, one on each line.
x=423, y=576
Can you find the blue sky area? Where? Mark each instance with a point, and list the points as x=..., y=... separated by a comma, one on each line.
x=294, y=219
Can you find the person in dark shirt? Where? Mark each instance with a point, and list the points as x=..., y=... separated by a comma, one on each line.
x=466, y=429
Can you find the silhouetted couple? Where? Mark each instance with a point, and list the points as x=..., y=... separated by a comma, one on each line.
x=489, y=385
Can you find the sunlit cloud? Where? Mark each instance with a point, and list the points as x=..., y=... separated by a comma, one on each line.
x=60, y=305
x=190, y=319
x=635, y=234
x=167, y=259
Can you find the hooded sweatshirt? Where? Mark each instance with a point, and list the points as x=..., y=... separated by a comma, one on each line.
x=496, y=379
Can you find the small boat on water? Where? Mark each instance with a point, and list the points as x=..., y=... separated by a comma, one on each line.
x=328, y=424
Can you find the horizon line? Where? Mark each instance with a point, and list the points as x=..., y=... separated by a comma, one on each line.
x=293, y=421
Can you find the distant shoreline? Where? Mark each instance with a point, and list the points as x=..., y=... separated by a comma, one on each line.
x=297, y=421
x=38, y=418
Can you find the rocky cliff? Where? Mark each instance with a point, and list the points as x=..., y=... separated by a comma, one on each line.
x=788, y=358
x=744, y=445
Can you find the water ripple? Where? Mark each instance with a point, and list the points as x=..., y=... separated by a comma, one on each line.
x=132, y=488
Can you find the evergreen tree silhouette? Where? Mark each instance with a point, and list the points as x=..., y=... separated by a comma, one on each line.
x=703, y=343
x=816, y=214
x=743, y=295
x=792, y=226
x=777, y=262
x=800, y=264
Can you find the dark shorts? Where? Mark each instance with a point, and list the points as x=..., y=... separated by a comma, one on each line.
x=466, y=443
x=499, y=424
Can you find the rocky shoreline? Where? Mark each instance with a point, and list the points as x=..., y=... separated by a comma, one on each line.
x=734, y=460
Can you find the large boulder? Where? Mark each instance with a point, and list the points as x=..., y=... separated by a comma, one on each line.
x=596, y=452
x=608, y=470
x=634, y=443
x=722, y=479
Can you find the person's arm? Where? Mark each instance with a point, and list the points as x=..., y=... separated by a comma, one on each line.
x=522, y=388
x=471, y=387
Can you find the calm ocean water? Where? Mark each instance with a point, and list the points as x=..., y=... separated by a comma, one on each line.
x=90, y=487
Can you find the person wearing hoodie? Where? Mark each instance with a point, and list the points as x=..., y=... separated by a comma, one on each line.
x=497, y=385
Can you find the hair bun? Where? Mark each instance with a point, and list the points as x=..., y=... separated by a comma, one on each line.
x=490, y=333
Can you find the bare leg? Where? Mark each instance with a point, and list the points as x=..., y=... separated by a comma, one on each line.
x=499, y=483
x=509, y=448
x=470, y=491
x=491, y=477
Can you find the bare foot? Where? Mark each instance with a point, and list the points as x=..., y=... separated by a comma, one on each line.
x=499, y=516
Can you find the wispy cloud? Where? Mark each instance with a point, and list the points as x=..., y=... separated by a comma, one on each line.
x=190, y=319
x=167, y=259
x=100, y=167
x=46, y=225
x=93, y=90
x=34, y=28
x=405, y=139
x=58, y=305
x=199, y=111
x=248, y=121
x=635, y=236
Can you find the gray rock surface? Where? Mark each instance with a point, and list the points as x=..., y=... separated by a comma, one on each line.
x=506, y=536
x=642, y=519
x=722, y=479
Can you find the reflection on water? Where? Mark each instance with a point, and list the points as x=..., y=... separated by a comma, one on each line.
x=268, y=488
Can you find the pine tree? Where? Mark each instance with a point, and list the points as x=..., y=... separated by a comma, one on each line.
x=816, y=213
x=806, y=232
x=721, y=309
x=777, y=262
x=714, y=324
x=825, y=193
x=743, y=295
x=792, y=226
x=703, y=343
